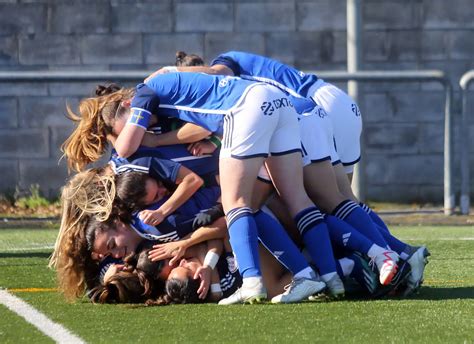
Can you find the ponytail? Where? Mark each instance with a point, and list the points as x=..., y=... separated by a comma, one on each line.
x=95, y=121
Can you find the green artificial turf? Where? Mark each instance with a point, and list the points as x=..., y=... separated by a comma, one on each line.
x=443, y=311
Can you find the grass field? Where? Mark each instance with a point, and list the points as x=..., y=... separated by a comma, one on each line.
x=443, y=311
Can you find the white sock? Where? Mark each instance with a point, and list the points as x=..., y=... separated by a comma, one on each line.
x=347, y=265
x=328, y=276
x=375, y=250
x=250, y=282
x=404, y=256
x=305, y=273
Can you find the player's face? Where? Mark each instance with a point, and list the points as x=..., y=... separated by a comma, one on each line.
x=117, y=242
x=155, y=191
x=186, y=269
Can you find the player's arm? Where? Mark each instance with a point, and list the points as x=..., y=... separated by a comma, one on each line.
x=213, y=70
x=207, y=272
x=188, y=133
x=176, y=249
x=141, y=106
x=188, y=183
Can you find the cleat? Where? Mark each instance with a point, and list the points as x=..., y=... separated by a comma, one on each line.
x=299, y=289
x=251, y=295
x=335, y=286
x=363, y=273
x=387, y=266
x=398, y=283
x=417, y=261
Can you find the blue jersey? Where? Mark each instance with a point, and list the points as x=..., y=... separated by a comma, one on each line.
x=180, y=223
x=230, y=279
x=259, y=68
x=163, y=163
x=197, y=98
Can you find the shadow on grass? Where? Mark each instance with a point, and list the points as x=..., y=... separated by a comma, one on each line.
x=425, y=293
x=25, y=254
x=450, y=293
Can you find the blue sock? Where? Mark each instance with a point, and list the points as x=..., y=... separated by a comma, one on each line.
x=345, y=235
x=353, y=214
x=244, y=241
x=374, y=217
x=314, y=231
x=398, y=246
x=274, y=237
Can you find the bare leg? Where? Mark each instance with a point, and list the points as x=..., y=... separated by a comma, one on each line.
x=275, y=276
x=344, y=183
x=321, y=185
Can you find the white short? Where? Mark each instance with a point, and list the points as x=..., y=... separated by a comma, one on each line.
x=264, y=123
x=317, y=138
x=346, y=121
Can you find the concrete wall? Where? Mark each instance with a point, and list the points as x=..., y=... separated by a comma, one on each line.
x=403, y=122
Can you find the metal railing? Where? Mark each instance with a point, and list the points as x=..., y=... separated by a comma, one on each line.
x=395, y=76
x=465, y=198
x=413, y=76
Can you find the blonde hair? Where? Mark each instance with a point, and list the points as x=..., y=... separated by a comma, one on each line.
x=88, y=194
x=95, y=121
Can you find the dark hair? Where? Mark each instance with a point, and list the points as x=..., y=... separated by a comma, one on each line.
x=183, y=59
x=130, y=190
x=93, y=228
x=123, y=287
x=103, y=90
x=181, y=291
x=138, y=282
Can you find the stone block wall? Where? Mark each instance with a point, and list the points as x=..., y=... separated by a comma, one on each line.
x=403, y=121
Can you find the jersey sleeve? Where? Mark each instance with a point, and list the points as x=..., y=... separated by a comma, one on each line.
x=228, y=62
x=182, y=224
x=145, y=99
x=165, y=170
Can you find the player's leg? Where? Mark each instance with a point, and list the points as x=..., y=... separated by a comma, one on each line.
x=309, y=220
x=320, y=180
x=245, y=144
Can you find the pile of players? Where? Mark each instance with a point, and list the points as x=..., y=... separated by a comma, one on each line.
x=228, y=183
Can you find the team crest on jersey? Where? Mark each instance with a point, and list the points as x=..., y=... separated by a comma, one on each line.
x=301, y=74
x=225, y=81
x=232, y=264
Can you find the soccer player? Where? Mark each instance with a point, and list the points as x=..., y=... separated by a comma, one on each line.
x=327, y=187
x=255, y=119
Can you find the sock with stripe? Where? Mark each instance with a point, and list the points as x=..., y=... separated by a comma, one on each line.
x=274, y=237
x=403, y=249
x=244, y=241
x=315, y=235
x=353, y=214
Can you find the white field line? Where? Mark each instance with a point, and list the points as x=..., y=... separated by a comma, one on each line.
x=28, y=248
x=442, y=239
x=53, y=330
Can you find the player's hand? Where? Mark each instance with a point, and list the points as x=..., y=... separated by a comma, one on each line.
x=151, y=217
x=112, y=270
x=201, y=148
x=204, y=273
x=174, y=250
x=208, y=216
